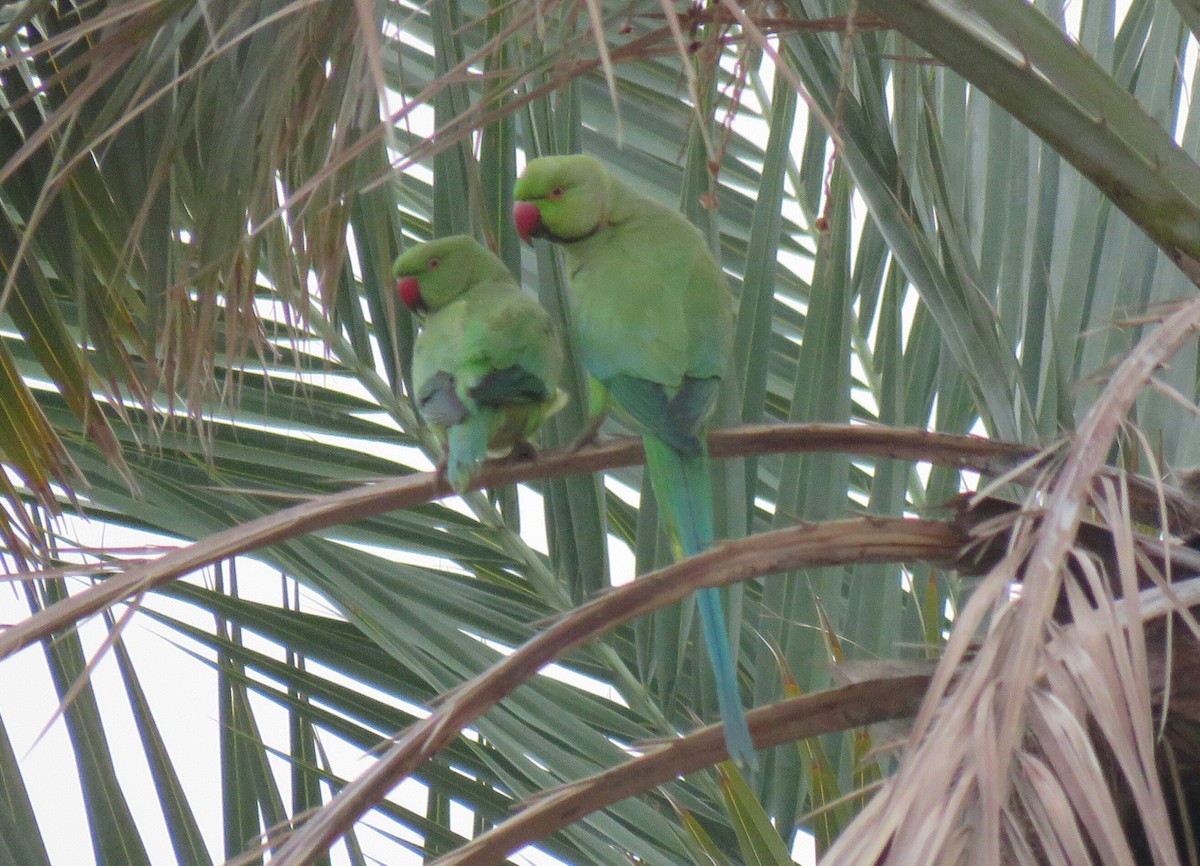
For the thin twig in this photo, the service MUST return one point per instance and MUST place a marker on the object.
(799, 718)
(408, 491)
(984, 456)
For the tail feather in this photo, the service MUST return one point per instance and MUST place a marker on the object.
(683, 486)
(733, 714)
(467, 446)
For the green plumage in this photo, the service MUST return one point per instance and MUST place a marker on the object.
(486, 363)
(651, 316)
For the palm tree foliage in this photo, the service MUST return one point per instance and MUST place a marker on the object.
(201, 202)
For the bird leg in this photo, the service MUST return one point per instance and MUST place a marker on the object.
(597, 409)
(589, 434)
(523, 449)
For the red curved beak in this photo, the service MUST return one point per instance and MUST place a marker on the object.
(527, 218)
(410, 293)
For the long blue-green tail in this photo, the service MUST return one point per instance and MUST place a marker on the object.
(683, 486)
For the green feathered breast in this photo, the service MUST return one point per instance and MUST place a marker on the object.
(491, 349)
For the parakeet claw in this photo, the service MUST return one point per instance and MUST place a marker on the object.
(589, 434)
(523, 449)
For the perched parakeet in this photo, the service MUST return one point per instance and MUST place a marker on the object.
(486, 363)
(651, 317)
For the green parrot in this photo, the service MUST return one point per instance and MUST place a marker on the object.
(486, 363)
(652, 320)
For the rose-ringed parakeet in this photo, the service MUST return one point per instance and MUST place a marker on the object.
(651, 316)
(486, 363)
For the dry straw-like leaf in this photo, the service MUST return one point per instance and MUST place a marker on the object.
(958, 775)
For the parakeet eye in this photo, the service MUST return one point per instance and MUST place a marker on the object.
(433, 264)
(555, 194)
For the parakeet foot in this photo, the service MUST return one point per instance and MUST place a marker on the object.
(523, 449)
(589, 434)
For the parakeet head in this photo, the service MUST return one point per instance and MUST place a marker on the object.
(431, 275)
(561, 198)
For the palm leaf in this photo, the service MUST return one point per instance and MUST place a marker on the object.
(201, 347)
